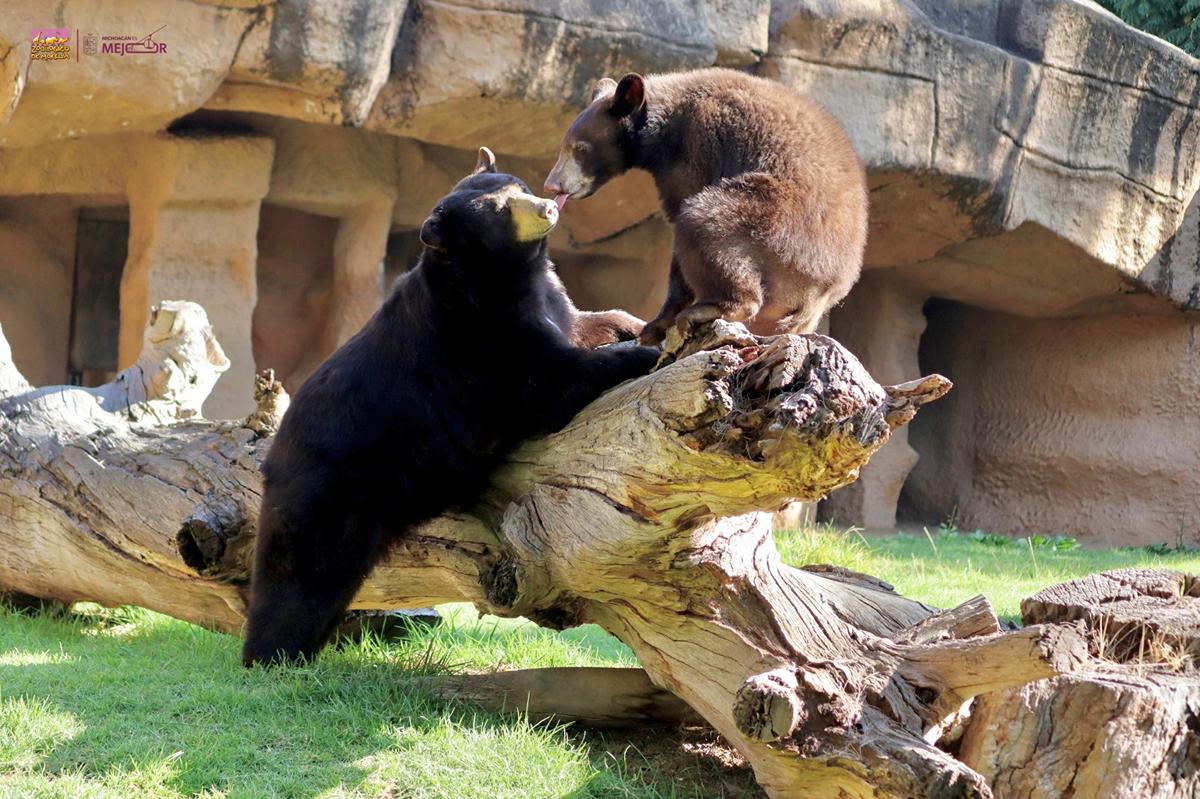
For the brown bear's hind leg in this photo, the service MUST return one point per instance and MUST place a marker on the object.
(679, 296)
(807, 317)
(721, 239)
(725, 278)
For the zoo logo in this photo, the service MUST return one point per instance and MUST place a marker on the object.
(50, 44)
(124, 45)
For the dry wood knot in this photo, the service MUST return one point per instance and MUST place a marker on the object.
(512, 590)
(270, 404)
(204, 536)
(503, 584)
(768, 707)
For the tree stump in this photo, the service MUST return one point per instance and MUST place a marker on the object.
(1128, 730)
(649, 514)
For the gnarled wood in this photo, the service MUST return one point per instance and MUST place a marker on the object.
(649, 514)
(971, 618)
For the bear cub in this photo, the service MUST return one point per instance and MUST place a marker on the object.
(766, 194)
(470, 354)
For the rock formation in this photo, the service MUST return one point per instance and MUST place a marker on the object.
(1032, 164)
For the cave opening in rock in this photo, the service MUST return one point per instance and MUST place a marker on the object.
(929, 498)
(62, 257)
(1062, 425)
(295, 277)
(101, 249)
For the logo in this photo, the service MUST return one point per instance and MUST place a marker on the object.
(50, 44)
(90, 43)
(127, 45)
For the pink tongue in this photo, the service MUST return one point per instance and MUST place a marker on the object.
(560, 200)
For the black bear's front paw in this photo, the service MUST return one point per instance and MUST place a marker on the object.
(631, 360)
(642, 360)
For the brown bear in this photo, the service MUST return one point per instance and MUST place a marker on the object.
(470, 354)
(767, 197)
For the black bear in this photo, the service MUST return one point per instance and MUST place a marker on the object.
(469, 355)
(767, 196)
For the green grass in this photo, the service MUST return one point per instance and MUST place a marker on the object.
(130, 703)
(149, 706)
(945, 567)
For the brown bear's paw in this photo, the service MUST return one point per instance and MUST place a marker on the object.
(655, 331)
(699, 314)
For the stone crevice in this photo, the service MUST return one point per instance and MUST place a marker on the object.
(1112, 80)
(571, 23)
(895, 73)
(1059, 162)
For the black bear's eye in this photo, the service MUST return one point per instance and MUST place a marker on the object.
(582, 146)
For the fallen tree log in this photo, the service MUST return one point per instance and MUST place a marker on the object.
(649, 515)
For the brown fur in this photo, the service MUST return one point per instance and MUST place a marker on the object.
(765, 191)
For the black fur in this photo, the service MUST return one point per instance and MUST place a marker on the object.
(468, 356)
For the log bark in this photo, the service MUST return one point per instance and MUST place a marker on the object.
(1130, 729)
(649, 515)
(1099, 736)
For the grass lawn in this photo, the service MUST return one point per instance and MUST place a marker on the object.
(128, 703)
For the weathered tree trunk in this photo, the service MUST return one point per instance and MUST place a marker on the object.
(1130, 729)
(648, 515)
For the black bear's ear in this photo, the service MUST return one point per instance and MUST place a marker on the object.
(630, 94)
(603, 86)
(431, 233)
(486, 162)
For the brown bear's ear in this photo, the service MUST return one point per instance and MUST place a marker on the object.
(486, 162)
(603, 86)
(629, 95)
(431, 233)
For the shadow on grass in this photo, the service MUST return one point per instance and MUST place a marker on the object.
(692, 761)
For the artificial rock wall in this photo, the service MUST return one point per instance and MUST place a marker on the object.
(1034, 219)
